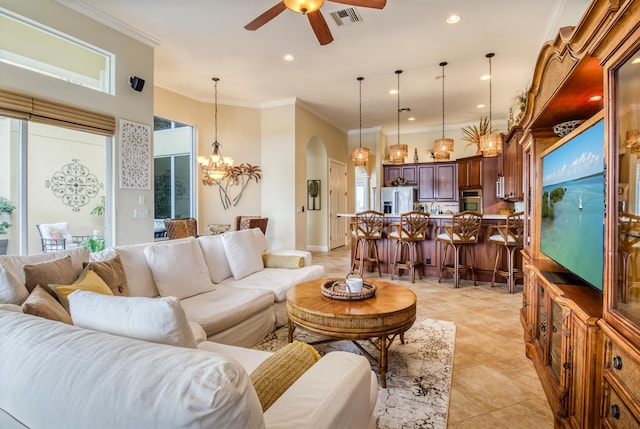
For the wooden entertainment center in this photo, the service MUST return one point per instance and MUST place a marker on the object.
(585, 343)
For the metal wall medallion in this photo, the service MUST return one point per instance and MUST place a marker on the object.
(74, 185)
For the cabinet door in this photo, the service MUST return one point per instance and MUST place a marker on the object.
(463, 174)
(390, 173)
(475, 173)
(426, 182)
(446, 189)
(409, 173)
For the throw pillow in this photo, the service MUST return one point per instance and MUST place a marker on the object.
(280, 370)
(41, 303)
(282, 261)
(112, 272)
(158, 320)
(57, 271)
(88, 280)
(179, 268)
(242, 252)
(215, 257)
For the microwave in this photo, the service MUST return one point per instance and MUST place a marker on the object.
(471, 201)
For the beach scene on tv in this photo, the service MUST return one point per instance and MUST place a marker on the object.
(572, 232)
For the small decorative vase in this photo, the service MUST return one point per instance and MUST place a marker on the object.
(415, 155)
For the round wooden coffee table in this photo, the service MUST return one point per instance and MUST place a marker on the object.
(379, 319)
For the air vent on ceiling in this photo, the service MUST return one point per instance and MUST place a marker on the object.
(346, 16)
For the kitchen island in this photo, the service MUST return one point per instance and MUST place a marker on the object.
(432, 251)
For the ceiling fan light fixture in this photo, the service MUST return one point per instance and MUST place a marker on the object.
(303, 6)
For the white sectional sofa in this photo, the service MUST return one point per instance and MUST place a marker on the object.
(239, 301)
(55, 375)
(122, 365)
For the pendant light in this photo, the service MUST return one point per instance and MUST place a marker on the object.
(398, 152)
(360, 155)
(443, 147)
(215, 166)
(491, 143)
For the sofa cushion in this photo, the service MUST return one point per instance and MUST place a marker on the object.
(88, 379)
(88, 281)
(282, 261)
(112, 272)
(225, 307)
(158, 320)
(42, 304)
(57, 271)
(215, 257)
(139, 276)
(179, 268)
(280, 370)
(243, 252)
(277, 280)
(12, 288)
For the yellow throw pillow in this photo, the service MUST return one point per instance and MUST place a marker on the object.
(88, 280)
(280, 370)
(282, 261)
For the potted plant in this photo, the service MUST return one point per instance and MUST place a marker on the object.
(6, 208)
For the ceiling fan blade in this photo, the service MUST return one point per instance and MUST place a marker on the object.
(266, 17)
(320, 27)
(375, 4)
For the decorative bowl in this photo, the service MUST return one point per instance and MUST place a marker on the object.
(218, 228)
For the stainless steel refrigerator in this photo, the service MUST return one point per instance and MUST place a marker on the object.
(398, 199)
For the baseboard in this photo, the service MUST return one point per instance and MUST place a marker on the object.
(318, 248)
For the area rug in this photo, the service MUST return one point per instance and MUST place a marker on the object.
(418, 374)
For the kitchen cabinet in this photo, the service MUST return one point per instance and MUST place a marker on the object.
(470, 172)
(437, 181)
(406, 172)
(512, 165)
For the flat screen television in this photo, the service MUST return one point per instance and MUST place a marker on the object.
(572, 227)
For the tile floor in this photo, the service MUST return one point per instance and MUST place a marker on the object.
(494, 385)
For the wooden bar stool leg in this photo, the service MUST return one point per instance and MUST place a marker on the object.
(395, 258)
(456, 266)
(472, 258)
(495, 267)
(375, 256)
(444, 258)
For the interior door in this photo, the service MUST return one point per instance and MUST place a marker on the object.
(337, 204)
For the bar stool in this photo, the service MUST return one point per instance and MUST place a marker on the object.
(367, 230)
(507, 237)
(461, 234)
(408, 234)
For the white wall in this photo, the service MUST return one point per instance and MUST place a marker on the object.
(132, 58)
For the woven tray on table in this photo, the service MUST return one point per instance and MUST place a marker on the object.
(337, 289)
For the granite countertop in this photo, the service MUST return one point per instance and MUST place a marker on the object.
(433, 216)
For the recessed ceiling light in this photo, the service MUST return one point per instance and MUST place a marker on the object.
(411, 119)
(636, 61)
(485, 77)
(289, 57)
(480, 106)
(453, 19)
(595, 98)
(393, 91)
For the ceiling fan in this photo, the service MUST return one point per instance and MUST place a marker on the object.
(311, 8)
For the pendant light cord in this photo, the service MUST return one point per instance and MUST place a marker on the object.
(398, 73)
(360, 79)
(442, 64)
(490, 55)
(215, 114)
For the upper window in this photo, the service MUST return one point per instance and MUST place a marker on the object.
(27, 44)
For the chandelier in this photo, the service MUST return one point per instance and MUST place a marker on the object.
(216, 166)
(490, 143)
(360, 155)
(398, 152)
(442, 148)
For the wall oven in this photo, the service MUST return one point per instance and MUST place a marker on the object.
(471, 201)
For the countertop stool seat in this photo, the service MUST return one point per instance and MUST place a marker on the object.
(508, 238)
(461, 234)
(408, 234)
(367, 230)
